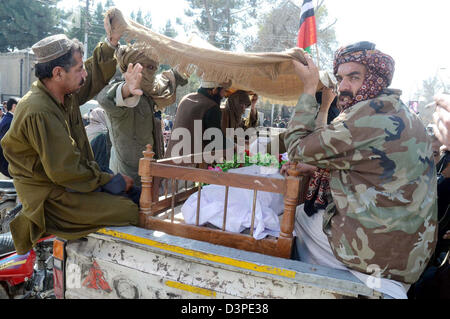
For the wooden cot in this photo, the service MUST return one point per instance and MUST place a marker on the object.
(158, 212)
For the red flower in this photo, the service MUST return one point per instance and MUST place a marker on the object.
(247, 152)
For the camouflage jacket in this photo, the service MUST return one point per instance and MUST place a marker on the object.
(383, 217)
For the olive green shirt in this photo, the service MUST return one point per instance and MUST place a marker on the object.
(130, 129)
(132, 124)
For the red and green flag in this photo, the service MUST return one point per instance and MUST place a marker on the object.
(307, 34)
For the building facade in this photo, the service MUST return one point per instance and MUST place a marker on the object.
(16, 73)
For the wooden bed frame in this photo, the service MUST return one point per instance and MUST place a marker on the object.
(157, 213)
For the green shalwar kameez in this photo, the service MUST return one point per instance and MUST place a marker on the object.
(53, 166)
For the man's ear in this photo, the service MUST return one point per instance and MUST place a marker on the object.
(58, 73)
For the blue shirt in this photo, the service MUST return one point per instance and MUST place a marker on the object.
(5, 123)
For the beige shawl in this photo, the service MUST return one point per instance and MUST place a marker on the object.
(270, 75)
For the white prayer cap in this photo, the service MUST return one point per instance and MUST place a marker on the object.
(212, 84)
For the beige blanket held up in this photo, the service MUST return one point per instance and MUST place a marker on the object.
(270, 75)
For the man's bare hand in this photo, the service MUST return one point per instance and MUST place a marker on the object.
(133, 78)
(447, 235)
(308, 74)
(328, 96)
(304, 169)
(112, 35)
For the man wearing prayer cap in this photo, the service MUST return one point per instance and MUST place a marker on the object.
(200, 109)
(63, 190)
(130, 104)
(374, 165)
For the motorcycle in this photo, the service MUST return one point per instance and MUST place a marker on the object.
(8, 201)
(28, 276)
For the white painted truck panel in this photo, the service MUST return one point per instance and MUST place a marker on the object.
(131, 262)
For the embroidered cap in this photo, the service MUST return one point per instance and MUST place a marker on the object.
(51, 48)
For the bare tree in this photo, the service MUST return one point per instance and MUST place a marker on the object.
(222, 20)
(430, 87)
(279, 27)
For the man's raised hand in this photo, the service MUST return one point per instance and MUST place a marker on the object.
(308, 74)
(133, 78)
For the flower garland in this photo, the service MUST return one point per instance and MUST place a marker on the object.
(257, 159)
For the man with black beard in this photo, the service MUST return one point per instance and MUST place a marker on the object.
(373, 173)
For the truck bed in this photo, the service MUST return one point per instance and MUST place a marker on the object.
(132, 262)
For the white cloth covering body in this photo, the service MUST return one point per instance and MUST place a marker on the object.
(239, 208)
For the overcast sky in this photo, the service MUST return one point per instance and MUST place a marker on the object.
(414, 32)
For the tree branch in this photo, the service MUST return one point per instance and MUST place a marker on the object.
(329, 26)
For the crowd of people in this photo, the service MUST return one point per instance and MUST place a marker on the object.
(6, 118)
(372, 203)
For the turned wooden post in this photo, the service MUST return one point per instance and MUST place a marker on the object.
(146, 199)
(285, 240)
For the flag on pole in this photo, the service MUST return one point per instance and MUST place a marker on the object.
(307, 34)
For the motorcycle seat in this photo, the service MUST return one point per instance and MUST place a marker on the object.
(6, 244)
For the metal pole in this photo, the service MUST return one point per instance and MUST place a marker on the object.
(86, 25)
(28, 71)
(318, 57)
(21, 77)
(271, 117)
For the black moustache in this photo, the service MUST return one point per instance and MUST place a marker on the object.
(346, 93)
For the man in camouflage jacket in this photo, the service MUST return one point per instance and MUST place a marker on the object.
(382, 207)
